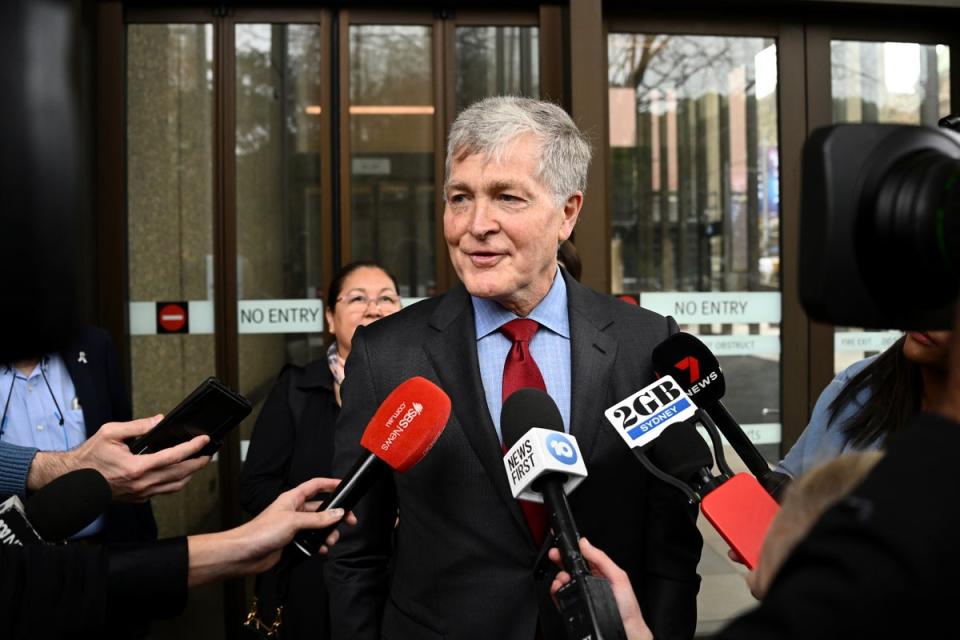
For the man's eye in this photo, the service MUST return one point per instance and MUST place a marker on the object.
(458, 198)
(506, 197)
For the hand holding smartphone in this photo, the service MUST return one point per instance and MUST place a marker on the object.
(212, 409)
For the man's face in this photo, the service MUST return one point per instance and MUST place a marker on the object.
(502, 226)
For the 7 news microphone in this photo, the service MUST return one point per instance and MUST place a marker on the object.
(544, 464)
(657, 423)
(401, 432)
(57, 511)
(689, 361)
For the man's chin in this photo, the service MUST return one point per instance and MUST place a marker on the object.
(483, 287)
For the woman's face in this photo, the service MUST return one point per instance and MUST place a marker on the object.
(927, 348)
(367, 294)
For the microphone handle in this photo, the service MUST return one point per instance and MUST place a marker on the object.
(751, 457)
(562, 523)
(364, 473)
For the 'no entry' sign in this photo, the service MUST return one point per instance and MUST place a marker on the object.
(172, 317)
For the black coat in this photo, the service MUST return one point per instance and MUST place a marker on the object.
(463, 557)
(285, 450)
(94, 368)
(882, 563)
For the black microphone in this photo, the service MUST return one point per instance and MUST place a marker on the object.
(62, 508)
(529, 422)
(681, 453)
(693, 365)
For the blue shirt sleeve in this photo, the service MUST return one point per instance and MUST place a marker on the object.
(14, 466)
(823, 439)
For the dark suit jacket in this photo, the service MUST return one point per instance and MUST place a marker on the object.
(462, 557)
(292, 442)
(103, 398)
(883, 562)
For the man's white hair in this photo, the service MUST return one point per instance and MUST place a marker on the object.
(487, 127)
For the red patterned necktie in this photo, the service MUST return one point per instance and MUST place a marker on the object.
(520, 371)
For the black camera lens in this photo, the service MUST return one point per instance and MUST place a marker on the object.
(908, 226)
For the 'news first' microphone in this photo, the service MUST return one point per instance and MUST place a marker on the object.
(398, 436)
(544, 464)
(739, 509)
(691, 362)
(62, 508)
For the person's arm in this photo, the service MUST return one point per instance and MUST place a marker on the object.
(672, 545)
(356, 572)
(255, 546)
(271, 448)
(15, 463)
(133, 478)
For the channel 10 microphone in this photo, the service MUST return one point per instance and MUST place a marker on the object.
(737, 507)
(688, 360)
(401, 432)
(60, 509)
(544, 464)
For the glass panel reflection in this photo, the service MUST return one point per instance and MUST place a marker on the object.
(278, 141)
(496, 61)
(392, 152)
(696, 200)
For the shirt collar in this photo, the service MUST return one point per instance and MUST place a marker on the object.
(550, 313)
(9, 368)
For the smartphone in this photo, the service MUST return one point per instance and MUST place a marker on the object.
(213, 409)
(741, 511)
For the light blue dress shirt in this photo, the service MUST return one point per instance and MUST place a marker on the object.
(550, 348)
(33, 418)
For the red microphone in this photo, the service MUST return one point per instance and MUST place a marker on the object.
(398, 436)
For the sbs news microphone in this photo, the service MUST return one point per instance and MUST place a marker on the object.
(544, 464)
(60, 509)
(737, 507)
(401, 432)
(690, 361)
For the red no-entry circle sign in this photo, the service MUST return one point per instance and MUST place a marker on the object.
(172, 317)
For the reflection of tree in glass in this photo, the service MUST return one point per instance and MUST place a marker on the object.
(390, 64)
(270, 61)
(691, 65)
(496, 61)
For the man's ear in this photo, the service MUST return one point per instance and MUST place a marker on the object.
(571, 214)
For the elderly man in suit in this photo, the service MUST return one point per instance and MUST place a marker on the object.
(460, 563)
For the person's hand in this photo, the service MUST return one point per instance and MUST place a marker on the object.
(135, 478)
(132, 478)
(256, 546)
(602, 566)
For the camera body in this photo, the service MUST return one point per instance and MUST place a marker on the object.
(880, 226)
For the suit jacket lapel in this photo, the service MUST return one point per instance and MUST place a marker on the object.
(592, 353)
(83, 384)
(453, 354)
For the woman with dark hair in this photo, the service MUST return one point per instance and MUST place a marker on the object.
(292, 441)
(867, 403)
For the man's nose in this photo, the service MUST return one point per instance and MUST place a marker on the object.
(484, 221)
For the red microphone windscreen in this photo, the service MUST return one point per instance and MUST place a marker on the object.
(407, 423)
(741, 511)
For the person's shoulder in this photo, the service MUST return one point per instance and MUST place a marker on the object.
(603, 304)
(411, 319)
(851, 372)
